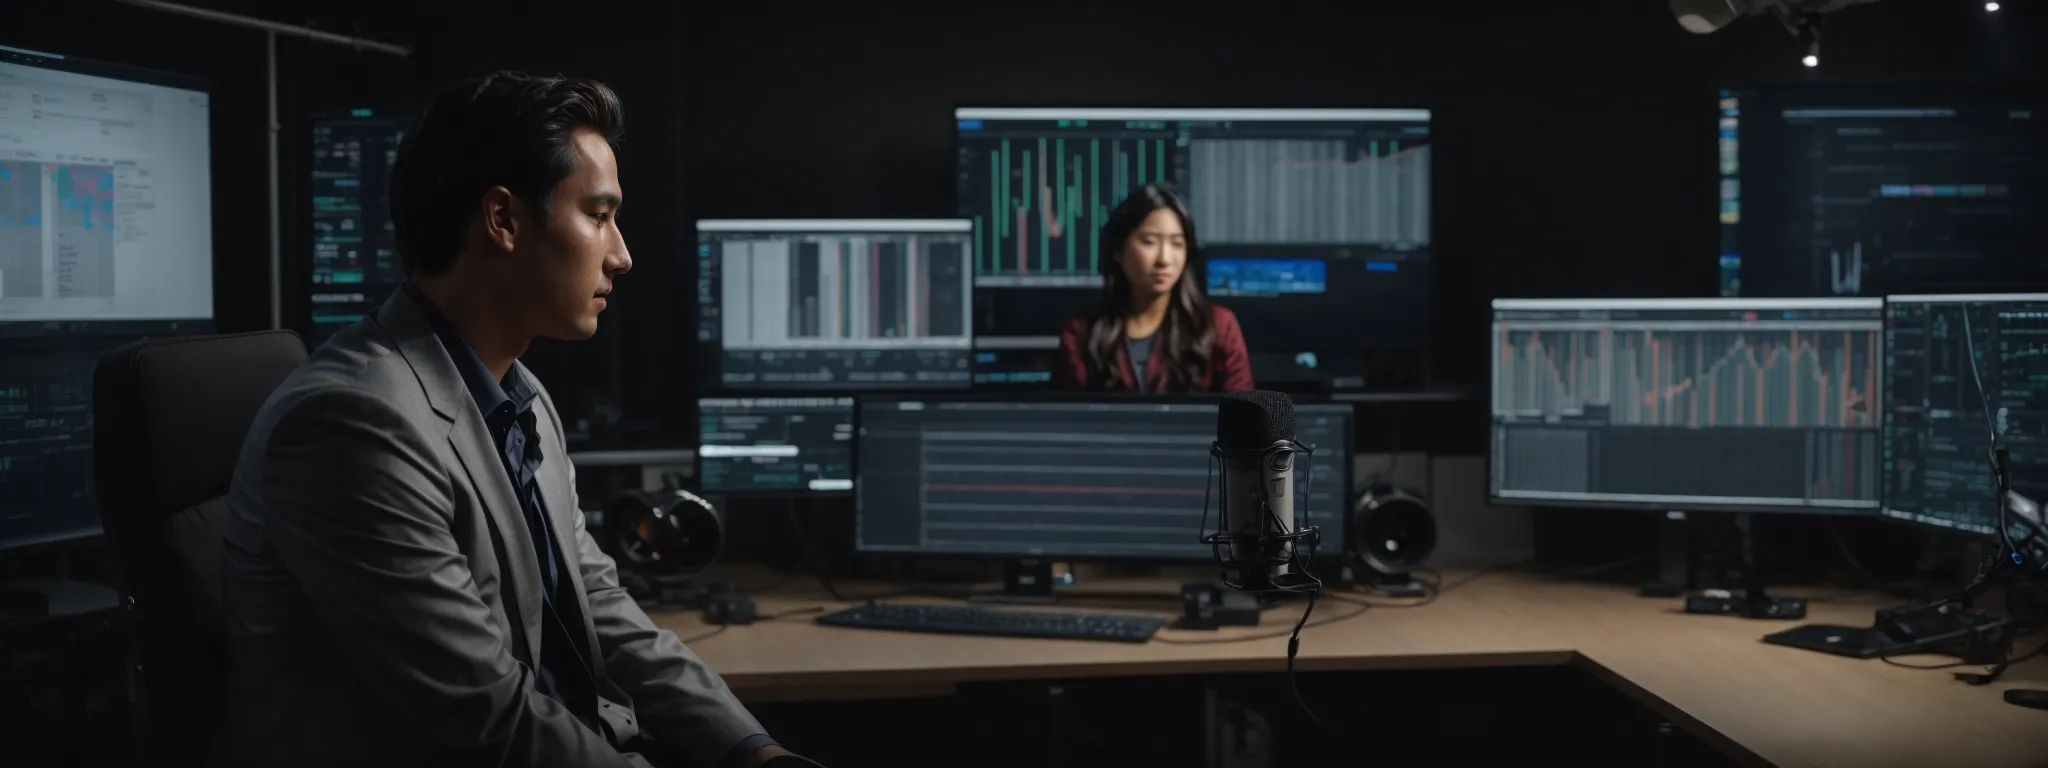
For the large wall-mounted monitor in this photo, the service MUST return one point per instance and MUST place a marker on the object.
(835, 303)
(1298, 213)
(1114, 478)
(351, 263)
(1882, 188)
(1959, 370)
(106, 236)
(1766, 405)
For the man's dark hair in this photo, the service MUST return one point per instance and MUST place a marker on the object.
(506, 129)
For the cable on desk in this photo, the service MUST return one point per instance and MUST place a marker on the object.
(764, 618)
(818, 558)
(707, 635)
(1433, 586)
(1992, 672)
(1289, 632)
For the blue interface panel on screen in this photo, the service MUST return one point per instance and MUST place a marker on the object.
(1942, 412)
(106, 236)
(1766, 405)
(353, 257)
(1297, 212)
(835, 303)
(1868, 189)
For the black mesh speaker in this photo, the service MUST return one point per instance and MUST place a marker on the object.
(663, 534)
(1392, 530)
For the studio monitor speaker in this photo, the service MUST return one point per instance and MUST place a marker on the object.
(1392, 534)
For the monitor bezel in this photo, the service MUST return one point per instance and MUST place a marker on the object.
(1333, 547)
(697, 440)
(113, 71)
(1493, 497)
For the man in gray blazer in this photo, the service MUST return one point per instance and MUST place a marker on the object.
(407, 578)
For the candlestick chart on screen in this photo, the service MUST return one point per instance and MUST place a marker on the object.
(1048, 197)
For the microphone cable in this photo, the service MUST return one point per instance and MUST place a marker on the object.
(1310, 585)
(2001, 471)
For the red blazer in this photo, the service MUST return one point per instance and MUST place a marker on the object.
(1230, 368)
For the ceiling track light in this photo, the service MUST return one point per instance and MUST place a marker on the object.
(1807, 28)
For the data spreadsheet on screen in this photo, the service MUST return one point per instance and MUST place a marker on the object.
(837, 303)
(105, 196)
(1297, 212)
(1687, 404)
(1941, 410)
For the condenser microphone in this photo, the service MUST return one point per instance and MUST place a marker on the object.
(1258, 540)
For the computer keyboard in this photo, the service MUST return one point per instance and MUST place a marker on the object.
(962, 620)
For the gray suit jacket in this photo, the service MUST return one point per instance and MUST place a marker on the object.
(383, 595)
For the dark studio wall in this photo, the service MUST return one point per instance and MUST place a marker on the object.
(1576, 155)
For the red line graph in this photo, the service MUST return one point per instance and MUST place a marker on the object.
(1692, 378)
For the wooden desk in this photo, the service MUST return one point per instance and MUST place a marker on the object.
(1759, 703)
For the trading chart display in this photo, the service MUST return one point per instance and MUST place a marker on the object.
(1864, 190)
(352, 262)
(1941, 411)
(1297, 211)
(1687, 403)
(1067, 479)
(835, 303)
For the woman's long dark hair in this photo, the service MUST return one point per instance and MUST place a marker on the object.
(1189, 330)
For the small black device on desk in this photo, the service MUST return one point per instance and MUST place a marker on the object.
(963, 620)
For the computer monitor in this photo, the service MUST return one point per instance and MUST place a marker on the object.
(1871, 189)
(1941, 411)
(1757, 405)
(1067, 479)
(835, 303)
(106, 236)
(775, 445)
(1298, 213)
(351, 262)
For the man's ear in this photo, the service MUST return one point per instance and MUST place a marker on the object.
(502, 212)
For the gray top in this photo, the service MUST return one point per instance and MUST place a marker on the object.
(1141, 357)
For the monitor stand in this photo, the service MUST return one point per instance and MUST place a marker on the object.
(1025, 582)
(1674, 558)
(1754, 602)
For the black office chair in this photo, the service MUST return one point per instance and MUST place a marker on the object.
(169, 416)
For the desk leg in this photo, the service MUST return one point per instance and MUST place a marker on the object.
(1212, 728)
(1234, 736)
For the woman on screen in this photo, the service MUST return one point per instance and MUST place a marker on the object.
(1152, 316)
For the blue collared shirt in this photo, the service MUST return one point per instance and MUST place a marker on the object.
(507, 407)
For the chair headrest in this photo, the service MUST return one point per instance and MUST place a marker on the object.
(169, 416)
